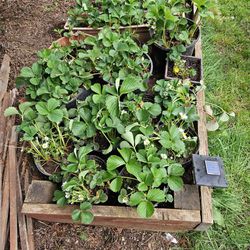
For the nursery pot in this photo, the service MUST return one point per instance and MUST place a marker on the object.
(191, 61)
(189, 48)
(41, 169)
(83, 94)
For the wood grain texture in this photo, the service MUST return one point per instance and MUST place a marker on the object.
(4, 75)
(13, 190)
(21, 217)
(188, 198)
(205, 192)
(171, 220)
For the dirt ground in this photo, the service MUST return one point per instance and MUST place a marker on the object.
(27, 26)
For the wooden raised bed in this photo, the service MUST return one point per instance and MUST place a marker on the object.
(192, 209)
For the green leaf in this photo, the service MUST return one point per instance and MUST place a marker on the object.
(27, 72)
(156, 195)
(11, 111)
(83, 151)
(97, 88)
(142, 187)
(155, 109)
(37, 68)
(145, 209)
(35, 81)
(41, 107)
(130, 84)
(114, 162)
(136, 198)
(128, 136)
(134, 167)
(25, 105)
(112, 105)
(175, 183)
(56, 116)
(78, 128)
(176, 169)
(52, 104)
(76, 215)
(116, 184)
(85, 206)
(86, 217)
(125, 153)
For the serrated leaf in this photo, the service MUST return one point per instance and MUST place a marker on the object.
(86, 217)
(176, 169)
(114, 162)
(175, 183)
(130, 84)
(134, 167)
(112, 105)
(52, 104)
(27, 72)
(56, 116)
(116, 184)
(136, 198)
(76, 215)
(156, 195)
(41, 107)
(125, 153)
(145, 209)
(11, 111)
(128, 136)
(85, 206)
(142, 187)
(97, 88)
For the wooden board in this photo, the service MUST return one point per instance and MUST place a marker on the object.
(13, 190)
(170, 220)
(205, 192)
(4, 75)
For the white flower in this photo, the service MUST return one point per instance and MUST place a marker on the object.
(124, 112)
(80, 197)
(125, 199)
(181, 130)
(183, 116)
(46, 138)
(164, 156)
(45, 145)
(67, 195)
(146, 142)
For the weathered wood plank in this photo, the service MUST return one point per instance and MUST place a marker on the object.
(188, 198)
(13, 190)
(4, 75)
(205, 192)
(21, 217)
(30, 229)
(5, 206)
(171, 220)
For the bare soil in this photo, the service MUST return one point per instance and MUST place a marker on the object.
(27, 26)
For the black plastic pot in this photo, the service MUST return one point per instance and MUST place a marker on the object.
(189, 48)
(40, 168)
(84, 93)
(190, 61)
